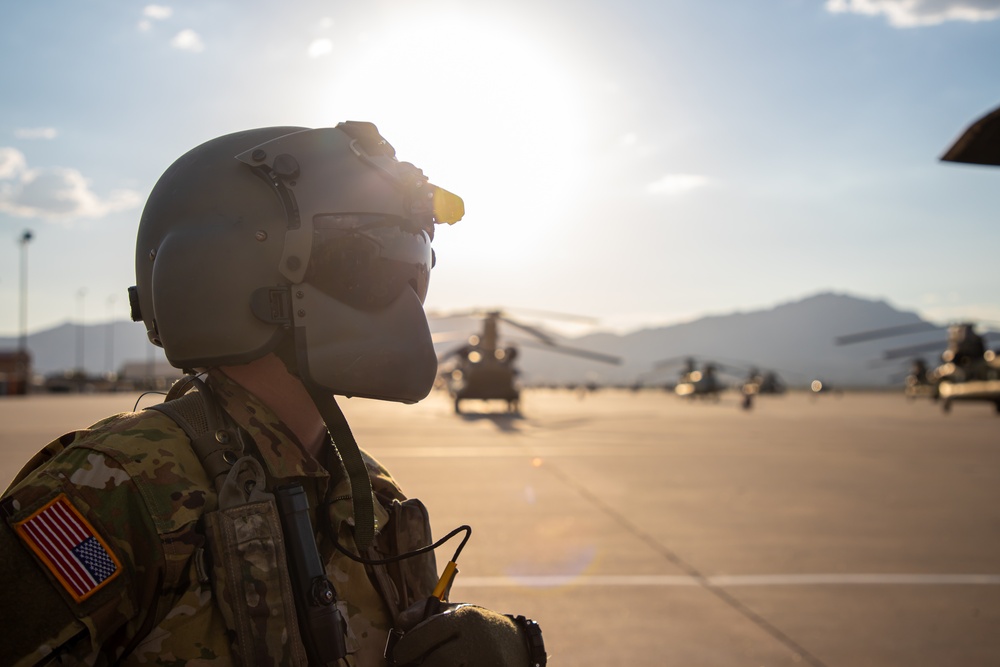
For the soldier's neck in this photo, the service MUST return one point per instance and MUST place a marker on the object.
(268, 379)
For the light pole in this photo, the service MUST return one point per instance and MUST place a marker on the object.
(109, 358)
(23, 343)
(80, 294)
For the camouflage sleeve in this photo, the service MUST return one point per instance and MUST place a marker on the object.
(383, 485)
(28, 597)
(92, 533)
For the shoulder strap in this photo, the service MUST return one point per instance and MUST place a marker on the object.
(246, 515)
(213, 438)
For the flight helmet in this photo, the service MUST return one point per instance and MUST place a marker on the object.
(314, 240)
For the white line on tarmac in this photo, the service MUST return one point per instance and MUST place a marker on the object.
(487, 451)
(459, 451)
(728, 580)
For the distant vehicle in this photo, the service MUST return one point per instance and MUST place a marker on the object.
(483, 369)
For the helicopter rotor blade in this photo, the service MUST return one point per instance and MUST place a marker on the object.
(574, 351)
(672, 361)
(882, 363)
(979, 143)
(455, 314)
(913, 350)
(537, 333)
(450, 353)
(731, 370)
(551, 315)
(445, 336)
(887, 332)
(898, 378)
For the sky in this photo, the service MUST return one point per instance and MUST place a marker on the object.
(640, 162)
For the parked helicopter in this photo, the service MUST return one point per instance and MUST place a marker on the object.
(694, 382)
(980, 379)
(758, 383)
(484, 369)
(918, 381)
(968, 371)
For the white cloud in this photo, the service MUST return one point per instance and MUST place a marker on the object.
(326, 22)
(154, 13)
(12, 163)
(55, 193)
(673, 184)
(320, 47)
(913, 13)
(157, 12)
(188, 40)
(35, 133)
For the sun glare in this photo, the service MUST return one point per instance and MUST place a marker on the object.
(487, 111)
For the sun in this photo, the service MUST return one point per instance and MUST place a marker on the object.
(486, 108)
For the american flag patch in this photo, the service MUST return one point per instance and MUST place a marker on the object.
(70, 547)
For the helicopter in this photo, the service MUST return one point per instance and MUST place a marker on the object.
(760, 382)
(969, 370)
(919, 382)
(483, 369)
(980, 380)
(695, 382)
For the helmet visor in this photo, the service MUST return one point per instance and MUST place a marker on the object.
(367, 260)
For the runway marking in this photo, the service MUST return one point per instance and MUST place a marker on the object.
(519, 451)
(731, 580)
(460, 451)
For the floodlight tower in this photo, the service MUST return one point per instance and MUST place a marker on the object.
(26, 237)
(109, 359)
(80, 295)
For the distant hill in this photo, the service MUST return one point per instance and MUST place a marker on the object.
(59, 348)
(795, 339)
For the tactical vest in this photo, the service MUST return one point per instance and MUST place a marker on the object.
(246, 545)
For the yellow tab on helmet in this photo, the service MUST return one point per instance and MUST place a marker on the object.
(448, 207)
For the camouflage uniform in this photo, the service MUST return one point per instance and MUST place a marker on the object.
(140, 495)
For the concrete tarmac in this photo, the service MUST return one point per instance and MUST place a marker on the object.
(643, 529)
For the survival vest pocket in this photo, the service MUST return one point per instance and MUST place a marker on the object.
(407, 529)
(250, 572)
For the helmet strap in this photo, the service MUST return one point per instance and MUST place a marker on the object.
(354, 463)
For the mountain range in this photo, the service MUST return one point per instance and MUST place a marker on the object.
(794, 339)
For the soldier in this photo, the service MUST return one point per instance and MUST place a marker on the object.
(238, 522)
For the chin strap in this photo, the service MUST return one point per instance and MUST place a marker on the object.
(357, 471)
